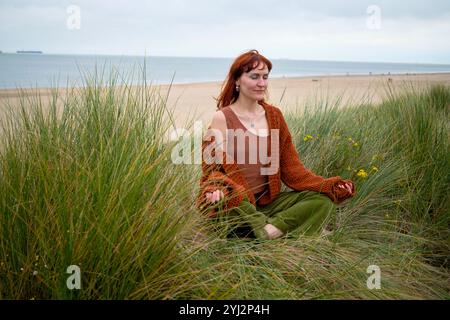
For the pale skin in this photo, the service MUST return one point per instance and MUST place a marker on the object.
(252, 88)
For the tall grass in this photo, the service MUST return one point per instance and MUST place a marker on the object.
(87, 180)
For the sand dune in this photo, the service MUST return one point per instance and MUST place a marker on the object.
(196, 100)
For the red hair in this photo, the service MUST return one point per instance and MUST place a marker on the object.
(246, 62)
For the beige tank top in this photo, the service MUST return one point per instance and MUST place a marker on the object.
(247, 155)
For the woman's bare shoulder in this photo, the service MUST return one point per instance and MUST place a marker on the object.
(219, 121)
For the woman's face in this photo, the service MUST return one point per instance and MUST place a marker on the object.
(253, 84)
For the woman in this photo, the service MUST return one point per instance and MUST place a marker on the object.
(246, 193)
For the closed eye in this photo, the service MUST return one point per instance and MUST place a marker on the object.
(254, 77)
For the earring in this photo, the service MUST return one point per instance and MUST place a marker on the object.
(237, 88)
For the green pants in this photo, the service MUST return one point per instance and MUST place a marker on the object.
(292, 212)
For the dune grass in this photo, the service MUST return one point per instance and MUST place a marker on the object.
(92, 184)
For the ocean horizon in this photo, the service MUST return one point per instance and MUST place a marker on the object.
(25, 70)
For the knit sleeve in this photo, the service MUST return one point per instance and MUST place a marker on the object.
(214, 178)
(297, 177)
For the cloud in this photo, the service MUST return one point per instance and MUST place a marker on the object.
(409, 30)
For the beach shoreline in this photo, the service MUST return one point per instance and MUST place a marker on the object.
(284, 92)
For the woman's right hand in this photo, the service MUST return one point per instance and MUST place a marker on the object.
(214, 196)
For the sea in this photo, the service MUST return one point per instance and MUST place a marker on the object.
(25, 70)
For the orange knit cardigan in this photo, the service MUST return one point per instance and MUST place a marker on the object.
(292, 172)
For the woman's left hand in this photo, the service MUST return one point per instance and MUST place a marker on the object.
(347, 186)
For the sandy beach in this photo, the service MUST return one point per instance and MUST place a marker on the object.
(196, 100)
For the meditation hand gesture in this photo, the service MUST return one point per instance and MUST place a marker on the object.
(348, 186)
(214, 196)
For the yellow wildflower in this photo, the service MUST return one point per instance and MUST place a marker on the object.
(308, 137)
(362, 173)
(374, 169)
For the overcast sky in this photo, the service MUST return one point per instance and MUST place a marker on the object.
(352, 30)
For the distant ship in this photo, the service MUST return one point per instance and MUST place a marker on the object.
(28, 51)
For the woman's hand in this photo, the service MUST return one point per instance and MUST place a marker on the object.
(348, 186)
(214, 196)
